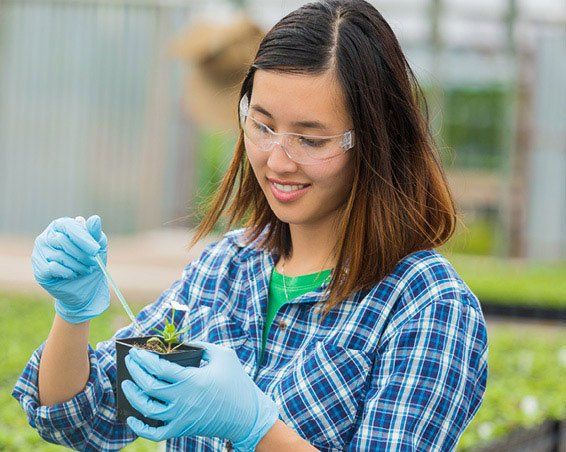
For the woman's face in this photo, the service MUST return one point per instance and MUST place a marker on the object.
(292, 98)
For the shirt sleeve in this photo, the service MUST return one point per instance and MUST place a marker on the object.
(427, 381)
(88, 420)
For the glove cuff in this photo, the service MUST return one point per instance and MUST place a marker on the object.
(268, 414)
(69, 316)
(79, 314)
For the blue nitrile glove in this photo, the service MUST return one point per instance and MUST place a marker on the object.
(63, 264)
(216, 400)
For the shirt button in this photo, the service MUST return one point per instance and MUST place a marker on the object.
(282, 325)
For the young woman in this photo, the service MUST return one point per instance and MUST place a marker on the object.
(329, 320)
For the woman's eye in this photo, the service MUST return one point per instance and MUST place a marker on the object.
(262, 128)
(312, 142)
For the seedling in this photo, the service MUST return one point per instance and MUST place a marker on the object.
(168, 339)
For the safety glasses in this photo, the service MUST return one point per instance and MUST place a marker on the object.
(302, 149)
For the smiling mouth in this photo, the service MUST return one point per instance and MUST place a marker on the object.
(288, 188)
(279, 182)
(285, 196)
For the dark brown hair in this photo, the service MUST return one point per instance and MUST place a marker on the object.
(400, 202)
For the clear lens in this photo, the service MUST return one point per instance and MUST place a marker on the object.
(302, 149)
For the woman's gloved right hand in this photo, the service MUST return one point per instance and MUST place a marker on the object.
(63, 264)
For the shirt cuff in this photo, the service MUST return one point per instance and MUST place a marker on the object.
(69, 415)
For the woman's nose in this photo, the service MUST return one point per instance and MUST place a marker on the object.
(278, 159)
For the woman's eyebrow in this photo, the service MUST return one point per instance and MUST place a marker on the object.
(304, 124)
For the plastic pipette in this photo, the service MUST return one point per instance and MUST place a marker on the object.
(123, 301)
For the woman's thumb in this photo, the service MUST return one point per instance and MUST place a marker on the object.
(94, 226)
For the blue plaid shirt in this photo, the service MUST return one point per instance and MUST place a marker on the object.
(402, 366)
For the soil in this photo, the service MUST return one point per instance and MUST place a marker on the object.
(151, 346)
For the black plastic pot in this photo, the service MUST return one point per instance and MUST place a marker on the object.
(185, 355)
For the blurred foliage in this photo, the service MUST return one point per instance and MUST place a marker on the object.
(215, 151)
(513, 282)
(25, 322)
(475, 126)
(526, 385)
(505, 281)
(478, 237)
(500, 280)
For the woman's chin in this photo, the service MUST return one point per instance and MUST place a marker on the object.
(286, 216)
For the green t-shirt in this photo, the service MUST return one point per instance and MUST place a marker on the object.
(296, 286)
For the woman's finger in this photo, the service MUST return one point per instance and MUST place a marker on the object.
(77, 233)
(161, 368)
(53, 269)
(147, 406)
(60, 256)
(149, 384)
(60, 241)
(145, 431)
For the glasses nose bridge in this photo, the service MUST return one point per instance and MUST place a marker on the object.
(278, 138)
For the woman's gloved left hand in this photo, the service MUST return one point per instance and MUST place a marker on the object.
(216, 400)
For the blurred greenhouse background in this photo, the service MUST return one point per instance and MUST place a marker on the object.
(127, 109)
(92, 116)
